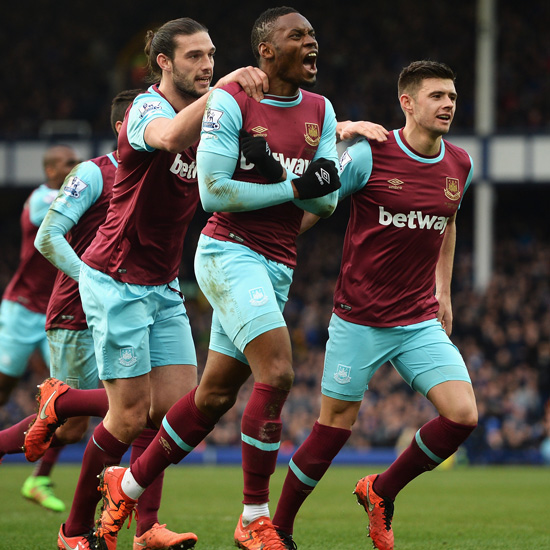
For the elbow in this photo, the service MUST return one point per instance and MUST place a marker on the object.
(328, 209)
(172, 145)
(208, 201)
(207, 204)
(44, 245)
(327, 212)
(40, 241)
(173, 149)
(177, 142)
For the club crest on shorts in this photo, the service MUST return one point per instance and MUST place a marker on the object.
(342, 374)
(312, 134)
(257, 296)
(127, 357)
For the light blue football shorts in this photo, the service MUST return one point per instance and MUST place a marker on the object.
(73, 358)
(21, 332)
(135, 327)
(422, 354)
(247, 292)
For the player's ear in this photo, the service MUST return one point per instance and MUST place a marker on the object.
(164, 62)
(266, 50)
(406, 103)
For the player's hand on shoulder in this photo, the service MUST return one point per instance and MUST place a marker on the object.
(320, 179)
(256, 151)
(351, 129)
(252, 80)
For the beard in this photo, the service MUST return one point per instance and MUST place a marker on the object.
(186, 85)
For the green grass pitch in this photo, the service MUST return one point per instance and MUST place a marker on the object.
(465, 508)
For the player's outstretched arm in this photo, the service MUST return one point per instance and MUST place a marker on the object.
(178, 133)
(252, 80)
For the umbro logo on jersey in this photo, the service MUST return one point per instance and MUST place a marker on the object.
(395, 184)
(259, 131)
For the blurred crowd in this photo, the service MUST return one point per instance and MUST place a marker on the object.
(503, 334)
(76, 59)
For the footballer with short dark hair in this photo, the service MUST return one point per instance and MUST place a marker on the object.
(399, 246)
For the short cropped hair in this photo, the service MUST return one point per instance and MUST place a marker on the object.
(411, 77)
(263, 27)
(119, 105)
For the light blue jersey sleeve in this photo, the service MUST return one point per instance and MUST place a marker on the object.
(40, 202)
(145, 108)
(468, 180)
(217, 157)
(324, 206)
(355, 168)
(81, 189)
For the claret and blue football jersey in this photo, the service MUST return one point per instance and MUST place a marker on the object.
(400, 206)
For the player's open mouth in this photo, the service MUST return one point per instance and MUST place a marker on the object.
(204, 80)
(310, 62)
(446, 118)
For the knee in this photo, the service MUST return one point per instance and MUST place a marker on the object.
(466, 415)
(215, 402)
(279, 374)
(129, 422)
